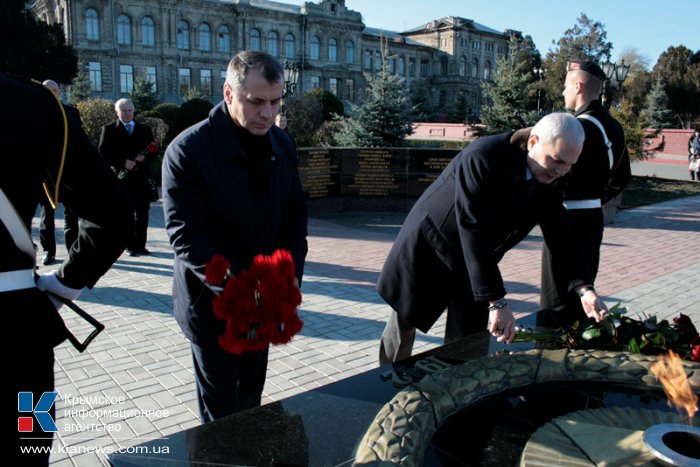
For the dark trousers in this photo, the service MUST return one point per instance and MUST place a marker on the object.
(464, 318)
(227, 383)
(71, 227)
(139, 192)
(565, 306)
(47, 228)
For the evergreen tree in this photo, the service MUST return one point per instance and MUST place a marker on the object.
(634, 127)
(658, 113)
(679, 69)
(587, 40)
(80, 89)
(506, 99)
(32, 48)
(143, 96)
(384, 119)
(460, 112)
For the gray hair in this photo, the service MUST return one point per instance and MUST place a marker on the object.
(121, 101)
(559, 125)
(268, 67)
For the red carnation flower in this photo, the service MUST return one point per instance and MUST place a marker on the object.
(152, 148)
(216, 270)
(695, 352)
(259, 305)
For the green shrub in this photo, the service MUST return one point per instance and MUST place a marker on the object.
(95, 113)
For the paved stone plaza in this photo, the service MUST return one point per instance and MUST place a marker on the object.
(141, 363)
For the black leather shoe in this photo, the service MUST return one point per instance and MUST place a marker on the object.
(139, 252)
(48, 259)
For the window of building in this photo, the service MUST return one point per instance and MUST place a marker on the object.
(273, 45)
(390, 65)
(92, 25)
(487, 70)
(332, 50)
(95, 74)
(350, 89)
(442, 98)
(126, 78)
(424, 68)
(402, 66)
(204, 37)
(123, 30)
(476, 45)
(443, 66)
(150, 72)
(411, 67)
(377, 61)
(462, 66)
(475, 68)
(349, 52)
(223, 78)
(205, 83)
(315, 48)
(184, 82)
(333, 86)
(289, 45)
(255, 41)
(368, 60)
(224, 39)
(148, 32)
(183, 34)
(315, 82)
(488, 46)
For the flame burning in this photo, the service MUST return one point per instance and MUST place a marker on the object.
(669, 371)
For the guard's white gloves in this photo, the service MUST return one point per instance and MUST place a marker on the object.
(50, 283)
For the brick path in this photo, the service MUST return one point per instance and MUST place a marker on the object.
(141, 363)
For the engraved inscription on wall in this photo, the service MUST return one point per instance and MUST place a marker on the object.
(374, 176)
(319, 173)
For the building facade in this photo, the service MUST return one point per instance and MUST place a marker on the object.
(183, 45)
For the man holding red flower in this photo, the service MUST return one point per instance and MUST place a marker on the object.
(129, 148)
(231, 188)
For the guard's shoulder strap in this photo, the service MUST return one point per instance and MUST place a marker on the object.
(608, 143)
(14, 225)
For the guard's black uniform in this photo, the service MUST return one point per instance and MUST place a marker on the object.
(31, 140)
(590, 182)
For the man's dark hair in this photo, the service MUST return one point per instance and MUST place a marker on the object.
(268, 67)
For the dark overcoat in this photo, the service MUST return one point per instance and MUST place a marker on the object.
(480, 207)
(211, 208)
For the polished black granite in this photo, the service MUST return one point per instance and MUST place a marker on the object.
(322, 427)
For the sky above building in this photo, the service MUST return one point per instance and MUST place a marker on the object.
(649, 26)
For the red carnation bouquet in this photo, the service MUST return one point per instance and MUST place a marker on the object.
(259, 305)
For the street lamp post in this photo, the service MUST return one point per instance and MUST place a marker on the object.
(615, 74)
(539, 72)
(291, 77)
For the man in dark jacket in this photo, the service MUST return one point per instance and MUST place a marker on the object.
(47, 226)
(602, 171)
(231, 187)
(127, 147)
(483, 204)
(31, 143)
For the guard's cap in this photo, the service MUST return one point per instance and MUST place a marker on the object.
(587, 66)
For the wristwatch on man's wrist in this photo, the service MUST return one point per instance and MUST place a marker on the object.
(581, 291)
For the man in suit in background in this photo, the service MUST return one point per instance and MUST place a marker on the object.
(47, 226)
(126, 145)
(484, 203)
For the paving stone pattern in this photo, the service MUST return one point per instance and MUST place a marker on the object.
(141, 363)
